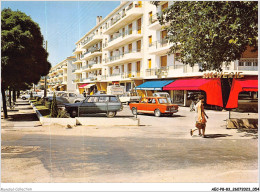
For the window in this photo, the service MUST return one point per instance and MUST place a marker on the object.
(150, 40)
(164, 61)
(255, 63)
(241, 63)
(92, 99)
(138, 45)
(248, 63)
(149, 63)
(72, 95)
(143, 100)
(153, 101)
(139, 23)
(163, 100)
(103, 99)
(165, 6)
(113, 99)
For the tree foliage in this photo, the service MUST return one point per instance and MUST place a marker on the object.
(210, 33)
(24, 59)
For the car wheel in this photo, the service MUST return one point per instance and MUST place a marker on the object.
(157, 113)
(111, 114)
(76, 101)
(74, 113)
(23, 98)
(134, 111)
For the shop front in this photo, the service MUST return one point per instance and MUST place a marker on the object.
(150, 87)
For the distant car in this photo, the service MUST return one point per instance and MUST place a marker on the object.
(61, 101)
(108, 104)
(27, 96)
(73, 97)
(154, 105)
(128, 98)
(163, 94)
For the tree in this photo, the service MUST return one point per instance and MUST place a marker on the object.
(210, 33)
(24, 60)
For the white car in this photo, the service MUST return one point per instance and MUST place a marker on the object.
(163, 94)
(73, 97)
(129, 98)
(27, 96)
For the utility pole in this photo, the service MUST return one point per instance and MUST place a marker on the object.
(45, 78)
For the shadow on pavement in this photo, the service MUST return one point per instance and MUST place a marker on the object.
(23, 117)
(216, 135)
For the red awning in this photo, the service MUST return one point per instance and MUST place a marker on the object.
(82, 86)
(240, 85)
(186, 84)
(212, 87)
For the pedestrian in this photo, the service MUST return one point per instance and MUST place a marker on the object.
(201, 117)
(84, 93)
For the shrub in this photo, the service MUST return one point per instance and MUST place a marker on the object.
(62, 114)
(48, 104)
(54, 107)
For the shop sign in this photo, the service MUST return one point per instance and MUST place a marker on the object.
(236, 75)
(115, 90)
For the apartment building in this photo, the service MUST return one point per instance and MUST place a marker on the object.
(61, 76)
(128, 47)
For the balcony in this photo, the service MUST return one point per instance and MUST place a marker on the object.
(77, 61)
(91, 41)
(120, 39)
(131, 13)
(96, 66)
(77, 80)
(159, 47)
(64, 66)
(77, 71)
(154, 23)
(92, 53)
(123, 58)
(77, 50)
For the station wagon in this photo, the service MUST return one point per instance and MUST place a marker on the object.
(154, 105)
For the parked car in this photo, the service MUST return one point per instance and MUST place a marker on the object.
(154, 105)
(27, 96)
(108, 104)
(129, 98)
(61, 101)
(73, 97)
(163, 94)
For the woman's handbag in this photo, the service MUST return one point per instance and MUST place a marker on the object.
(198, 125)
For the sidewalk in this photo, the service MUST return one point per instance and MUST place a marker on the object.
(22, 117)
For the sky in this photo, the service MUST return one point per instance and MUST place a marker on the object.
(63, 23)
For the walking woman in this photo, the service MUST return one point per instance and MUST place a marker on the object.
(201, 119)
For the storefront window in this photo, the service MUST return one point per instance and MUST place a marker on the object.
(178, 96)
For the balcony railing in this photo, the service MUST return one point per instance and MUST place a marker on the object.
(158, 44)
(120, 16)
(117, 35)
(92, 51)
(154, 18)
(77, 80)
(87, 40)
(119, 56)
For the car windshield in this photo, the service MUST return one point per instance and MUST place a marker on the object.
(163, 100)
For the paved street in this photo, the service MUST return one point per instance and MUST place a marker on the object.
(160, 150)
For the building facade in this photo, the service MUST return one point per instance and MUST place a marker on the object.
(129, 47)
(61, 76)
